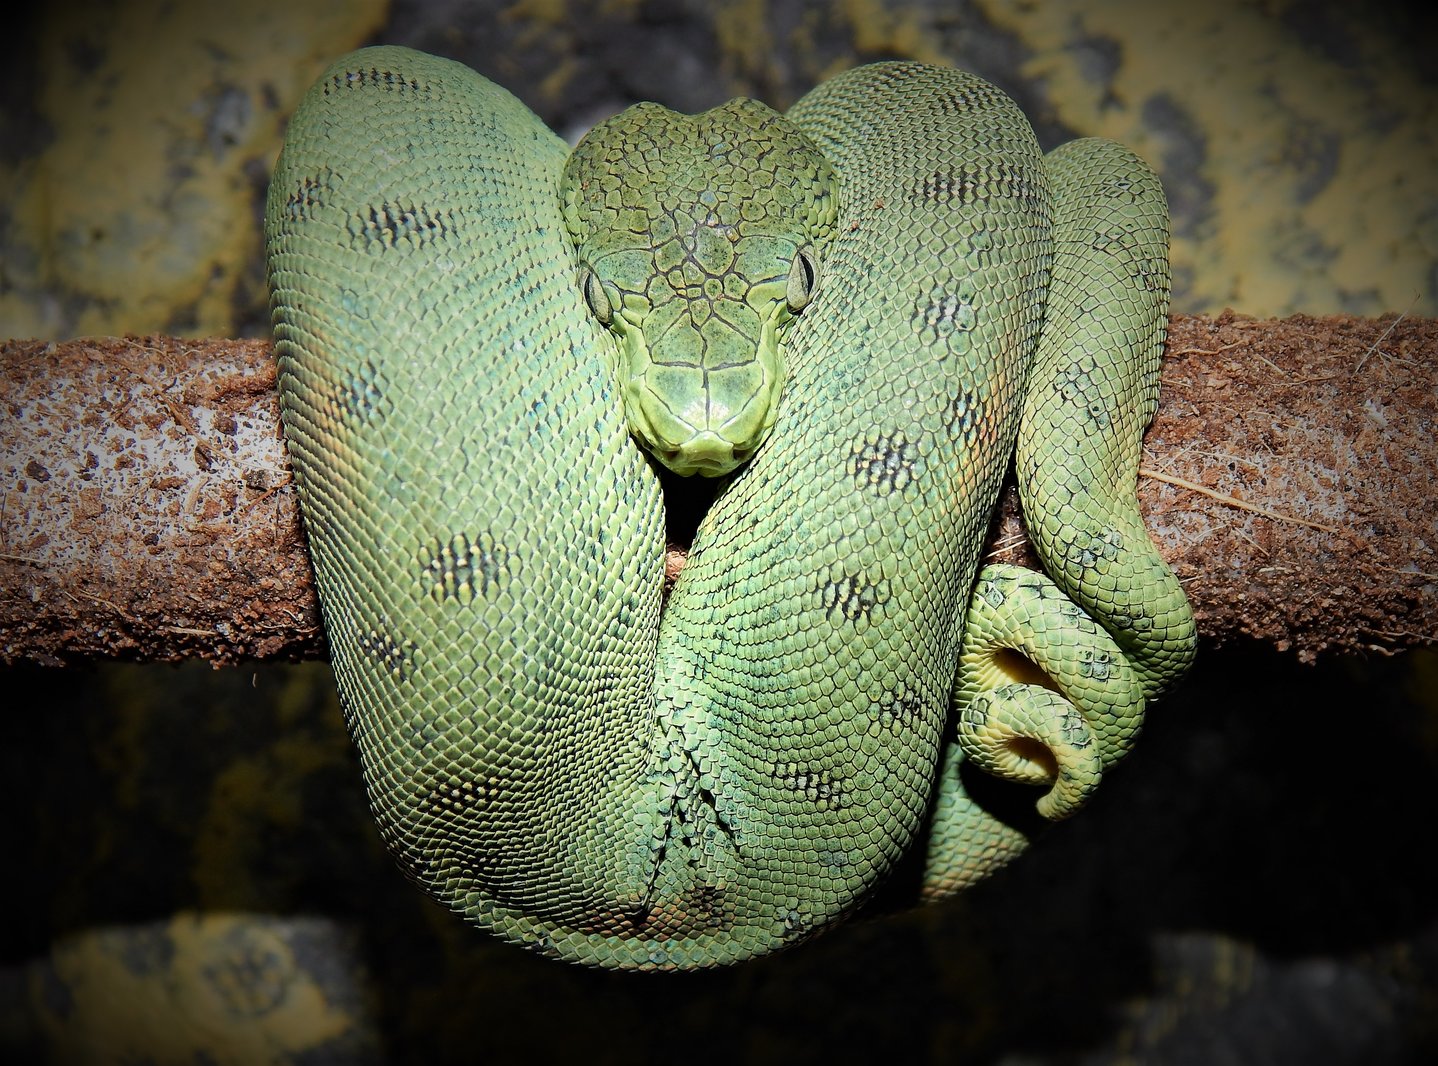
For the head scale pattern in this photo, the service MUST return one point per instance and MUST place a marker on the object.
(699, 238)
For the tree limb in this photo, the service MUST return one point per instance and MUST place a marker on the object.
(148, 513)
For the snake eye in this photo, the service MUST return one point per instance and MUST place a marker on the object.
(597, 298)
(803, 274)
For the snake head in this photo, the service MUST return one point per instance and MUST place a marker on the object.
(698, 241)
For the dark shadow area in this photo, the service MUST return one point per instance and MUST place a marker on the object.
(1271, 806)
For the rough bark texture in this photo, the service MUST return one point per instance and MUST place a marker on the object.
(147, 511)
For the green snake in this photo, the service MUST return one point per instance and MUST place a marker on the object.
(855, 316)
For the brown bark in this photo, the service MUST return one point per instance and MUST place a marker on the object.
(147, 510)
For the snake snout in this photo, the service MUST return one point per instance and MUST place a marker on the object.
(690, 449)
(703, 421)
(706, 454)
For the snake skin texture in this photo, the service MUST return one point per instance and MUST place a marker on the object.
(544, 753)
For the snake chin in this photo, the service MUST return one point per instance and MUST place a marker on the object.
(699, 420)
(701, 453)
(705, 455)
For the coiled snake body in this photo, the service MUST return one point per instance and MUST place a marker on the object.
(852, 313)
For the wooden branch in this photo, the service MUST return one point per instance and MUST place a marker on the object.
(148, 513)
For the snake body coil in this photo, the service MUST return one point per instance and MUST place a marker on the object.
(544, 753)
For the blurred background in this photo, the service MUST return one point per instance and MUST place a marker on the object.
(194, 876)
